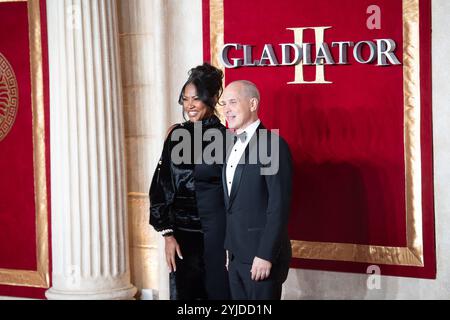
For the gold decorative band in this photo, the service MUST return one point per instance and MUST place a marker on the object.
(412, 254)
(216, 11)
(39, 278)
(412, 110)
(354, 253)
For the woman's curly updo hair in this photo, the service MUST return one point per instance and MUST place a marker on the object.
(207, 79)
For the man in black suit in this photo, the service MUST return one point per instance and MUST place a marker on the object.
(257, 178)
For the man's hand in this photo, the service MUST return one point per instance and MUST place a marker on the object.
(260, 269)
(172, 248)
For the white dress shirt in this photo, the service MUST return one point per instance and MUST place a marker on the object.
(237, 152)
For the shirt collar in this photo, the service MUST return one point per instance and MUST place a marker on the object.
(250, 130)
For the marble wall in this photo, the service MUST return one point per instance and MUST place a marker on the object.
(160, 40)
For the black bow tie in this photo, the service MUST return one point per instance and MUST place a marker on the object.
(242, 136)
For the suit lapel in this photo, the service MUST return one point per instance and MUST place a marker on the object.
(236, 181)
(228, 149)
(224, 184)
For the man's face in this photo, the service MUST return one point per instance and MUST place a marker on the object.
(237, 107)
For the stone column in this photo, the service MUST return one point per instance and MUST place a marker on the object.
(89, 212)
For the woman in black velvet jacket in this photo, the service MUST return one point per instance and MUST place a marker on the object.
(186, 200)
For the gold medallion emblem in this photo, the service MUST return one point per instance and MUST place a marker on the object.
(9, 97)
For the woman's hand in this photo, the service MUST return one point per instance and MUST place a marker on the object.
(172, 248)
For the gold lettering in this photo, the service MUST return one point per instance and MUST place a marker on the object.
(320, 69)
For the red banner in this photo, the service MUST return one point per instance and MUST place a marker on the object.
(24, 150)
(360, 133)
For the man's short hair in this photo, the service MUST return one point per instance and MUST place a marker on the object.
(250, 89)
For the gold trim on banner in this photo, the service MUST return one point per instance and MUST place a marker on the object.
(39, 278)
(354, 253)
(216, 11)
(412, 109)
(412, 254)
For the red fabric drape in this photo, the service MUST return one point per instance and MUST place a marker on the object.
(17, 181)
(347, 138)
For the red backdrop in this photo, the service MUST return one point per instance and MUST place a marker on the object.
(18, 247)
(347, 138)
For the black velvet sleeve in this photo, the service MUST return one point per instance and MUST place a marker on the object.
(162, 191)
